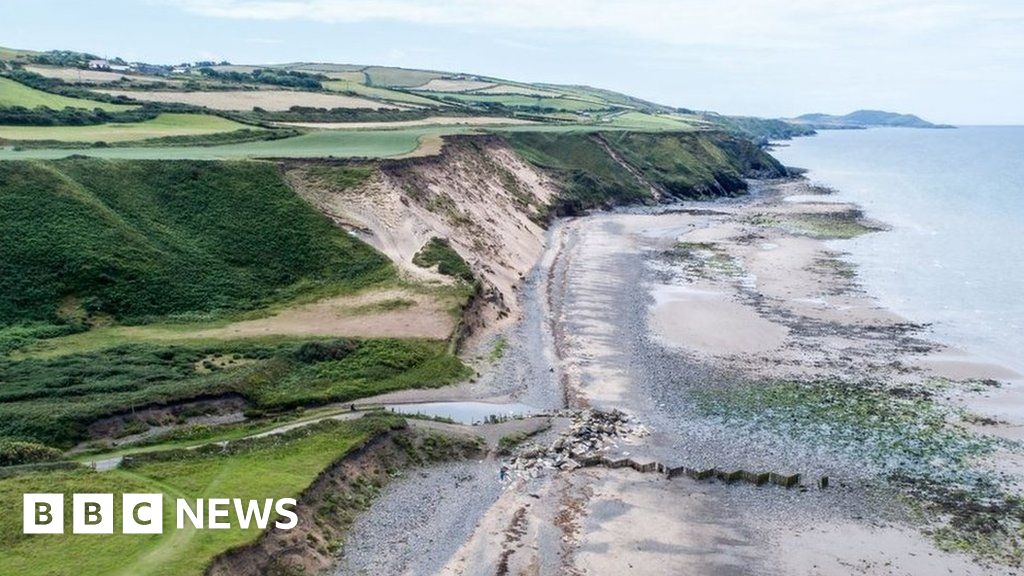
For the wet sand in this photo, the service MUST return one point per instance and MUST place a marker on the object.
(648, 311)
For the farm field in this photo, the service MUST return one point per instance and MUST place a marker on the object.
(319, 144)
(398, 77)
(430, 121)
(644, 121)
(274, 467)
(163, 125)
(92, 76)
(377, 93)
(249, 99)
(454, 85)
(522, 101)
(516, 89)
(16, 94)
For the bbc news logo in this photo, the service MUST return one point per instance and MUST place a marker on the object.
(144, 513)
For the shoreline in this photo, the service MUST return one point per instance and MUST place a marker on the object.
(721, 327)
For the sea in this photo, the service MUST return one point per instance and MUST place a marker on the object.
(954, 200)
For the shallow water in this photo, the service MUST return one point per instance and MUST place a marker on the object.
(464, 412)
(955, 201)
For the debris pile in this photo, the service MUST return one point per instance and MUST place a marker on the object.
(591, 433)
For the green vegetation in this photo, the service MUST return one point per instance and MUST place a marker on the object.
(271, 76)
(499, 347)
(162, 126)
(691, 164)
(683, 164)
(84, 239)
(519, 101)
(644, 121)
(340, 177)
(272, 467)
(835, 225)
(41, 116)
(14, 453)
(321, 144)
(438, 251)
(590, 176)
(758, 129)
(905, 437)
(359, 89)
(705, 260)
(398, 77)
(52, 400)
(16, 94)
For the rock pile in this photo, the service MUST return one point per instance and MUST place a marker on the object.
(589, 436)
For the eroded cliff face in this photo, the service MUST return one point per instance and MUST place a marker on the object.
(490, 197)
(478, 194)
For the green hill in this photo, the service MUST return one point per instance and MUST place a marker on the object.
(866, 119)
(16, 94)
(84, 237)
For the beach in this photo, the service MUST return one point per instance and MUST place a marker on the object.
(736, 335)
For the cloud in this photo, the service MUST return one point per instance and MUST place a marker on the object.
(806, 24)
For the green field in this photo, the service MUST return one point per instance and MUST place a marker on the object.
(398, 77)
(378, 93)
(16, 94)
(644, 121)
(320, 144)
(52, 400)
(162, 126)
(274, 467)
(129, 240)
(685, 164)
(522, 101)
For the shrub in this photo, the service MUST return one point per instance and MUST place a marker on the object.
(14, 452)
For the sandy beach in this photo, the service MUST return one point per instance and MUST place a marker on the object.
(735, 336)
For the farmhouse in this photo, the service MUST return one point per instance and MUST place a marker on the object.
(99, 65)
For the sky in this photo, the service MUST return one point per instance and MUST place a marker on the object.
(951, 61)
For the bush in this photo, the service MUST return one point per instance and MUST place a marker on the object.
(439, 251)
(312, 352)
(14, 452)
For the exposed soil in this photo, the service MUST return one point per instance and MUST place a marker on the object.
(391, 313)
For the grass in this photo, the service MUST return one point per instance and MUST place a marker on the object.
(644, 121)
(522, 101)
(274, 467)
(85, 238)
(398, 77)
(359, 89)
(437, 251)
(693, 164)
(16, 94)
(590, 177)
(162, 126)
(318, 144)
(52, 400)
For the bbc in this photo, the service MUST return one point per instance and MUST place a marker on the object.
(93, 514)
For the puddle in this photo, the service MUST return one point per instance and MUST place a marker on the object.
(464, 412)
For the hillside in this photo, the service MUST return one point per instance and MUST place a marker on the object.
(312, 98)
(865, 119)
(213, 272)
(83, 238)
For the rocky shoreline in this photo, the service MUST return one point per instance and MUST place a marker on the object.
(724, 337)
